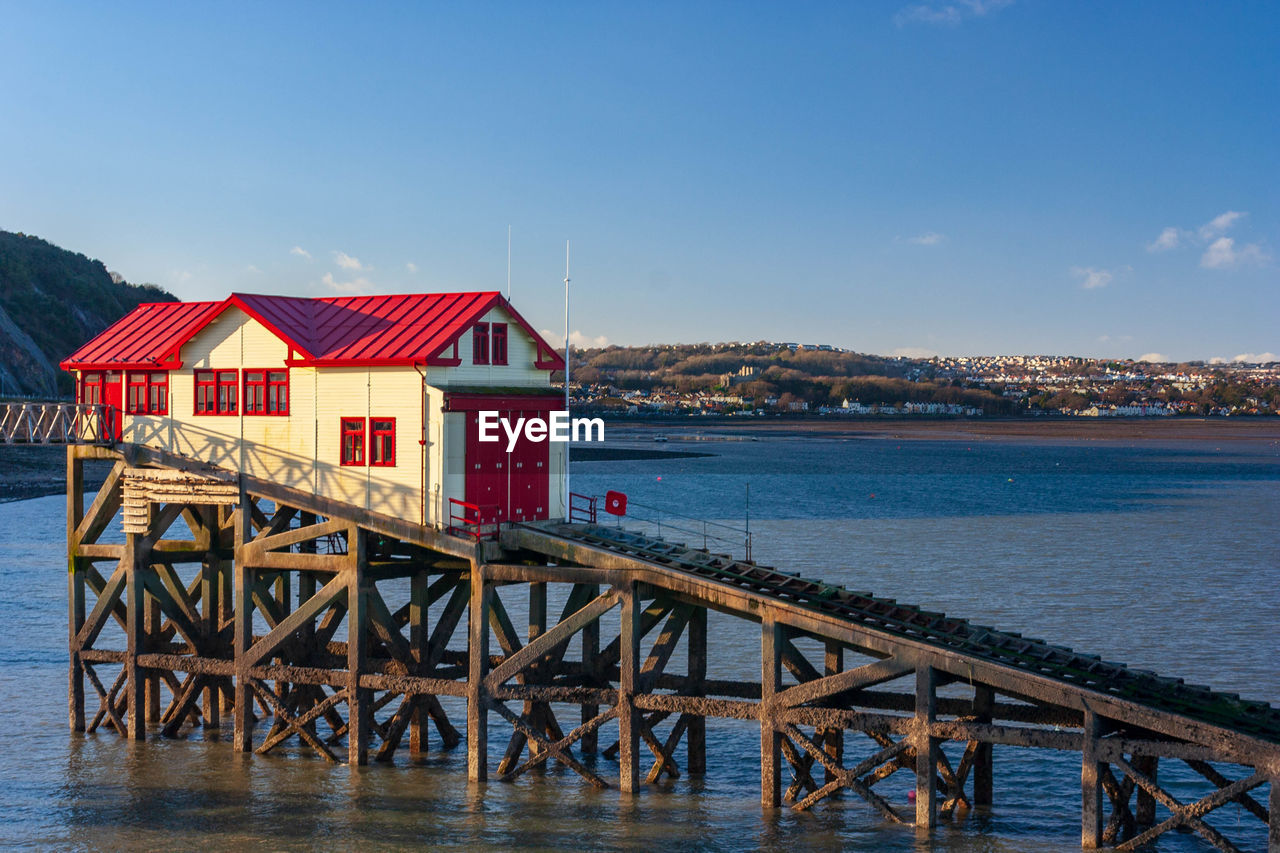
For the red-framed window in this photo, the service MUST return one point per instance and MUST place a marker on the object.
(382, 441)
(352, 441)
(498, 343)
(266, 392)
(91, 389)
(480, 343)
(147, 393)
(217, 392)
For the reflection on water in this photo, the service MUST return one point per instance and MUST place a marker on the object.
(1159, 557)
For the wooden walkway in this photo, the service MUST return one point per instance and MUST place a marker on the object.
(233, 601)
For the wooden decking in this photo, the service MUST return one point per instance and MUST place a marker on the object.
(348, 657)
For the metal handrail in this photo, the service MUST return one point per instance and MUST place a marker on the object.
(475, 521)
(710, 531)
(36, 422)
(582, 507)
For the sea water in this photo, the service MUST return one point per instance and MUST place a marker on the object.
(1159, 555)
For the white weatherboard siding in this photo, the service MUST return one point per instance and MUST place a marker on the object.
(517, 372)
(377, 392)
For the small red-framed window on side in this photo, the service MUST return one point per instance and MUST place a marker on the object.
(266, 392)
(217, 392)
(91, 389)
(147, 393)
(382, 441)
(158, 393)
(480, 343)
(255, 392)
(277, 392)
(353, 441)
(498, 346)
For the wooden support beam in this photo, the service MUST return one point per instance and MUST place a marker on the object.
(477, 670)
(135, 604)
(419, 587)
(926, 748)
(1273, 807)
(833, 664)
(242, 610)
(561, 633)
(75, 590)
(629, 674)
(696, 729)
(359, 699)
(984, 701)
(771, 637)
(1091, 783)
(590, 652)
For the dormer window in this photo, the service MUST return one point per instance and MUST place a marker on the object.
(480, 343)
(498, 347)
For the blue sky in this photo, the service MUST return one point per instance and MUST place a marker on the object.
(945, 176)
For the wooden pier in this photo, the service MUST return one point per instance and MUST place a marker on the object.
(294, 619)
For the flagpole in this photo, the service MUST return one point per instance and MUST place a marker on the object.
(567, 500)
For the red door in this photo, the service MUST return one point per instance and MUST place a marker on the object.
(530, 476)
(113, 399)
(515, 484)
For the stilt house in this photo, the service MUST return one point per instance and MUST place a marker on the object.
(370, 400)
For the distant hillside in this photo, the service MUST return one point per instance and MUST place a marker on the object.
(52, 301)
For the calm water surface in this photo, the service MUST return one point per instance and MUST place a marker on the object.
(1162, 556)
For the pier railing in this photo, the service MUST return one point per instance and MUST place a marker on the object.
(34, 422)
(661, 522)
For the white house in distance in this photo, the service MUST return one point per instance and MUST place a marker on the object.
(370, 400)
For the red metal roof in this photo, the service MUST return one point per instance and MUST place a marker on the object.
(343, 330)
(145, 336)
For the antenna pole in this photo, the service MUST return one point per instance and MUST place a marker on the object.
(508, 263)
(567, 500)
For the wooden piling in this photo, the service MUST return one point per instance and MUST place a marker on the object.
(359, 700)
(628, 675)
(75, 588)
(590, 660)
(926, 747)
(477, 669)
(1091, 770)
(135, 632)
(984, 700)
(696, 730)
(771, 637)
(242, 738)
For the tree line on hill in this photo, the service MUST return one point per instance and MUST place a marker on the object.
(52, 301)
(817, 377)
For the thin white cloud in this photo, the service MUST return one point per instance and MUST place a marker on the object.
(1221, 251)
(1153, 357)
(300, 252)
(411, 266)
(355, 287)
(1170, 238)
(347, 262)
(1256, 357)
(1223, 254)
(1092, 278)
(253, 269)
(947, 13)
(914, 352)
(1220, 224)
(929, 238)
(577, 339)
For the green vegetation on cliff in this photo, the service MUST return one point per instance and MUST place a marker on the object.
(52, 301)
